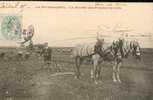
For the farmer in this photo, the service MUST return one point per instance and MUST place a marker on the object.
(98, 48)
(47, 54)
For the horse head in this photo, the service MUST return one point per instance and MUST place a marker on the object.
(119, 48)
(115, 48)
(135, 49)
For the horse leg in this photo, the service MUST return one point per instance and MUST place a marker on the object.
(78, 63)
(92, 69)
(95, 64)
(92, 73)
(114, 72)
(118, 72)
(98, 71)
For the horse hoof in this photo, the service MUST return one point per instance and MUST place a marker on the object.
(76, 77)
(91, 77)
(96, 82)
(114, 81)
(100, 81)
(119, 81)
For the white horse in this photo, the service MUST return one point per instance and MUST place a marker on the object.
(117, 50)
(83, 51)
(123, 50)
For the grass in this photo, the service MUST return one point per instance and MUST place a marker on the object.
(27, 80)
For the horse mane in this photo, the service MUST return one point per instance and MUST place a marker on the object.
(127, 46)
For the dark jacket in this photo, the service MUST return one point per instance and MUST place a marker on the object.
(47, 54)
(98, 48)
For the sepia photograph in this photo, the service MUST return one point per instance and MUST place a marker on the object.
(76, 50)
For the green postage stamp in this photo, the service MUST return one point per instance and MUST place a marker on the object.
(11, 27)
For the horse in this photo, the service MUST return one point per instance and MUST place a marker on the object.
(117, 50)
(86, 51)
(123, 49)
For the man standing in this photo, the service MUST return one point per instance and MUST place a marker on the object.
(99, 47)
(47, 55)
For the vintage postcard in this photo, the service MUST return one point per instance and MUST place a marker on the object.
(76, 50)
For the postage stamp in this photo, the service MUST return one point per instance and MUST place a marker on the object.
(11, 27)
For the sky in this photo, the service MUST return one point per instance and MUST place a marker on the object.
(67, 26)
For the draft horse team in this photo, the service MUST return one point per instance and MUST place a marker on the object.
(101, 51)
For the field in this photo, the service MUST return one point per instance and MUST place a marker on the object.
(30, 80)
